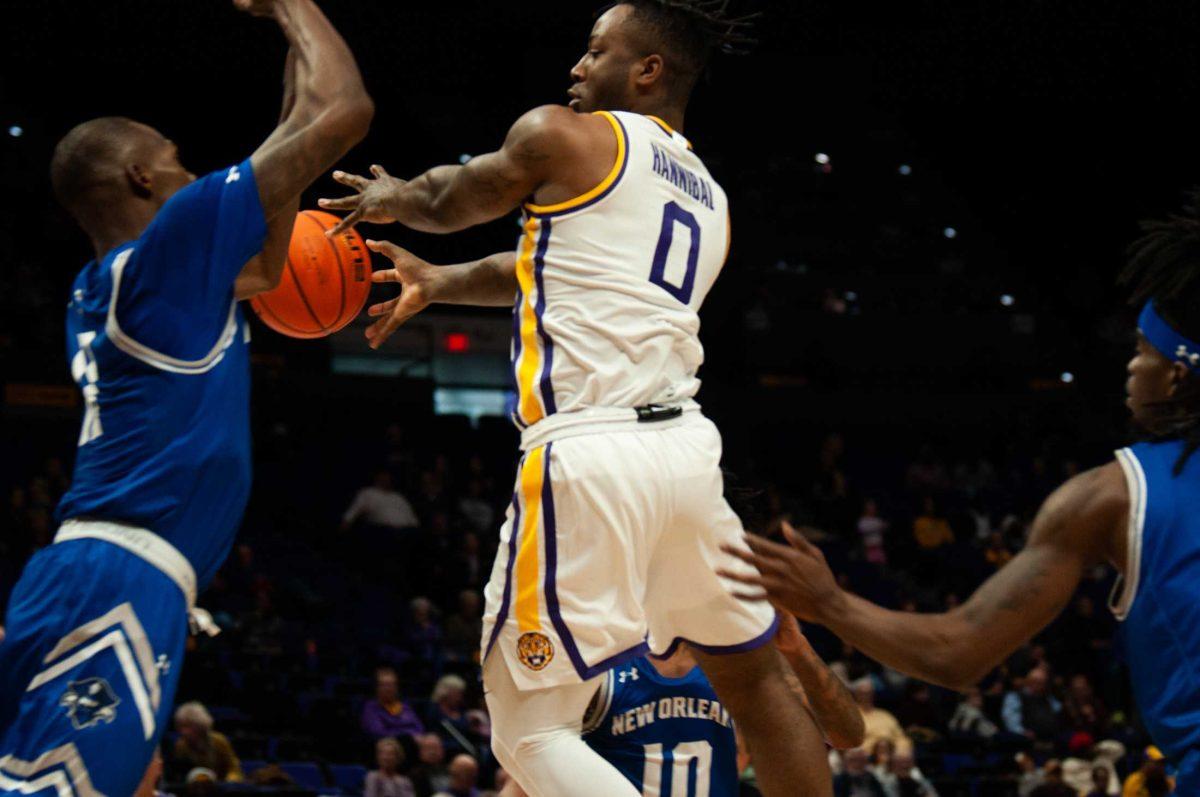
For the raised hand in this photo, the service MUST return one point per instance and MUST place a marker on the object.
(370, 204)
(417, 282)
(794, 578)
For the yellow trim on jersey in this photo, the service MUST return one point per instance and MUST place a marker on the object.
(670, 131)
(526, 568)
(604, 184)
(529, 406)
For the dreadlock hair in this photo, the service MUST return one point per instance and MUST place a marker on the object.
(1164, 267)
(689, 32)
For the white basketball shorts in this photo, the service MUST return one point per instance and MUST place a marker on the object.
(610, 549)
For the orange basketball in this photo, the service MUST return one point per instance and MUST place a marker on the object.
(325, 280)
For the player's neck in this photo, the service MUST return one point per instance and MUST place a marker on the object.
(670, 114)
(119, 226)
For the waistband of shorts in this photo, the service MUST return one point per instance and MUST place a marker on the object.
(139, 542)
(602, 420)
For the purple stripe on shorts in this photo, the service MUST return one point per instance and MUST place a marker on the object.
(502, 615)
(724, 650)
(539, 309)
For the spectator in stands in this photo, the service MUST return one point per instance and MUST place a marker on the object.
(1030, 776)
(464, 774)
(930, 529)
(1084, 711)
(423, 634)
(447, 715)
(880, 723)
(1151, 779)
(918, 714)
(997, 553)
(969, 720)
(1052, 782)
(381, 506)
(903, 779)
(882, 754)
(855, 780)
(386, 780)
(476, 509)
(1032, 711)
(464, 627)
(430, 774)
(1100, 782)
(871, 530)
(199, 746)
(387, 715)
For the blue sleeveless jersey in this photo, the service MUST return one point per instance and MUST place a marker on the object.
(1159, 601)
(668, 736)
(159, 348)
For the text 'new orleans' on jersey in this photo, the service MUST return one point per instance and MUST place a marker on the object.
(610, 282)
(159, 347)
(670, 737)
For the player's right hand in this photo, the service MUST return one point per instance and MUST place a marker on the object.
(416, 278)
(371, 202)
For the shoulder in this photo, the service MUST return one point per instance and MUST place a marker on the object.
(554, 129)
(1085, 512)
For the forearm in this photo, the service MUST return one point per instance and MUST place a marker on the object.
(437, 201)
(829, 699)
(327, 74)
(490, 282)
(938, 648)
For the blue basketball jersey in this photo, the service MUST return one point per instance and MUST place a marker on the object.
(1159, 601)
(668, 736)
(159, 348)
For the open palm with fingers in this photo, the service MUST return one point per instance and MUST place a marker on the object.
(794, 578)
(417, 280)
(370, 204)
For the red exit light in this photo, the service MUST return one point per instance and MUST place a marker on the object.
(457, 342)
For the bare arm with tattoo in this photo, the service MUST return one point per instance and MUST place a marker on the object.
(823, 693)
(1083, 523)
(551, 152)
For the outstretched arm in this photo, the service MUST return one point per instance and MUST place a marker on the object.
(823, 692)
(1081, 524)
(540, 146)
(490, 282)
(326, 112)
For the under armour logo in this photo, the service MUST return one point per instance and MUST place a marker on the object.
(233, 176)
(1182, 353)
(631, 675)
(163, 664)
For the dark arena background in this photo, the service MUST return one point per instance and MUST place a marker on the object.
(918, 328)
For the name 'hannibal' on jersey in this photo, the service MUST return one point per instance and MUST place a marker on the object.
(610, 282)
(667, 736)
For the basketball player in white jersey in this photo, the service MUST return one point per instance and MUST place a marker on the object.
(612, 542)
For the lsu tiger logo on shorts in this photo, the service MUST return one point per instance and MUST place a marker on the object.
(535, 650)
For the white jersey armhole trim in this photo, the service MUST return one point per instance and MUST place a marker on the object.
(599, 708)
(1125, 589)
(155, 358)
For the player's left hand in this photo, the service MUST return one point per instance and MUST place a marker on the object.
(370, 204)
(794, 578)
(417, 279)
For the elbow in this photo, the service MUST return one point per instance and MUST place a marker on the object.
(354, 118)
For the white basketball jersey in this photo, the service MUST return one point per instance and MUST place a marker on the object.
(610, 282)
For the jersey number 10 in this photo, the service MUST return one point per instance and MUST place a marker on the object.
(672, 215)
(682, 756)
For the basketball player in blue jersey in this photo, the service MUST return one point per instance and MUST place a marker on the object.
(610, 547)
(98, 620)
(1140, 513)
(660, 723)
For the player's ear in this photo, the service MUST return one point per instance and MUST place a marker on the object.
(139, 180)
(650, 71)
(1179, 374)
